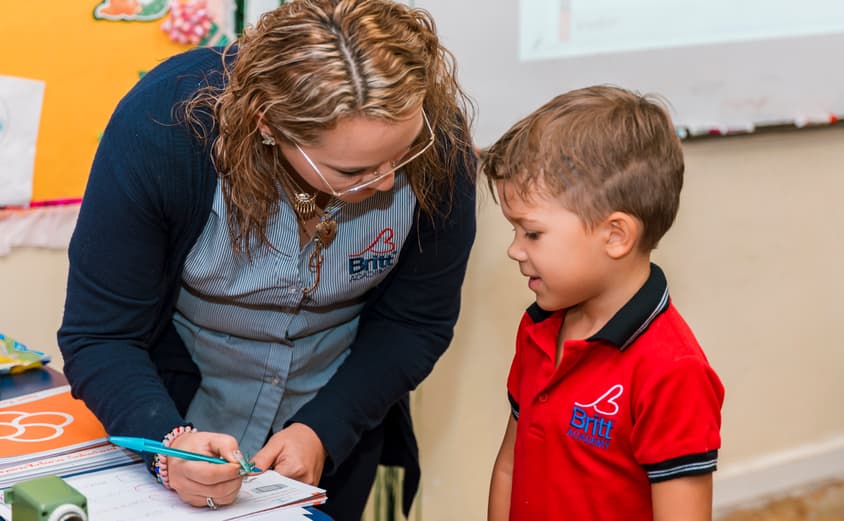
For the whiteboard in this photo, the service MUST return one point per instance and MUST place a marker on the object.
(722, 64)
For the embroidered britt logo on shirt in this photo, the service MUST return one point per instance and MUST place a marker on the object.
(589, 423)
(376, 258)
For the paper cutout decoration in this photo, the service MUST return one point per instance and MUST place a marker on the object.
(189, 21)
(20, 114)
(131, 10)
(37, 227)
(16, 357)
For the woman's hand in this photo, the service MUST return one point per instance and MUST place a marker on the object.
(295, 452)
(196, 481)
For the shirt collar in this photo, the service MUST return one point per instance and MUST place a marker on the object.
(633, 318)
(637, 314)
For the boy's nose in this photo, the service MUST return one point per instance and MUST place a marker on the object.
(515, 253)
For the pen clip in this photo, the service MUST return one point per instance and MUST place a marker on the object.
(245, 466)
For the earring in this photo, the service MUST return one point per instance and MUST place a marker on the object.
(267, 139)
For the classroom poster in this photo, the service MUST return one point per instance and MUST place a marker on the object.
(20, 113)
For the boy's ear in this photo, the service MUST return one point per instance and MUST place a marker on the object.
(623, 232)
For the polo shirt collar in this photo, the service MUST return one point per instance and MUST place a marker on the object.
(637, 314)
(633, 318)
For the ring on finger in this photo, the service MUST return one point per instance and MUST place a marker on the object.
(210, 502)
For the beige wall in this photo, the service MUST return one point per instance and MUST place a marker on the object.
(753, 263)
(32, 290)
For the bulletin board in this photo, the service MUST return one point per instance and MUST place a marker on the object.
(87, 65)
(725, 66)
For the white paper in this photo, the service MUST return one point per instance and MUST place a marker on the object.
(289, 514)
(130, 494)
(20, 113)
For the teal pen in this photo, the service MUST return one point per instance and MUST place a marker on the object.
(156, 447)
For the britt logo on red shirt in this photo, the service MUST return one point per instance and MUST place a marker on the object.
(376, 258)
(595, 430)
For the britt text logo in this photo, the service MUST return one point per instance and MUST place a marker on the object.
(595, 429)
(376, 258)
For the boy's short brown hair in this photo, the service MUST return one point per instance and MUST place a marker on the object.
(601, 149)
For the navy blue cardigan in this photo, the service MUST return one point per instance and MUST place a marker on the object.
(147, 200)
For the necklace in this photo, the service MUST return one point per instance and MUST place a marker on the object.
(303, 202)
(325, 232)
(305, 207)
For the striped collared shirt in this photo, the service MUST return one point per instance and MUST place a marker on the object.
(263, 347)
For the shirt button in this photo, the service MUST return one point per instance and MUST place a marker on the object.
(276, 380)
(543, 397)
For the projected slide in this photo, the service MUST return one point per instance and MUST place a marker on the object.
(570, 28)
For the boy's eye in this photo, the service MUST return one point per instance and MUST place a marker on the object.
(532, 235)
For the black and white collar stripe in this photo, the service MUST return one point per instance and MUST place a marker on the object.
(638, 313)
(633, 318)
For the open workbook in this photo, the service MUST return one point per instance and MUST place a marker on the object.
(51, 433)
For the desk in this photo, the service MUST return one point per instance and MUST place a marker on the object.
(34, 380)
(12, 385)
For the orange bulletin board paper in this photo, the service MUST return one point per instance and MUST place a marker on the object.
(88, 65)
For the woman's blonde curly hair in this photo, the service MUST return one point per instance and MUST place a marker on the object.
(310, 63)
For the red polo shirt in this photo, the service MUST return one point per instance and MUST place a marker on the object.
(635, 404)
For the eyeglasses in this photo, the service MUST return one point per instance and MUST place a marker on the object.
(412, 153)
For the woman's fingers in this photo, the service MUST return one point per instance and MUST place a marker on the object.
(221, 494)
(196, 481)
(295, 452)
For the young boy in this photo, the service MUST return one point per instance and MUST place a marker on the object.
(615, 409)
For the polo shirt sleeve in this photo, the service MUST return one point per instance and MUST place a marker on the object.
(678, 420)
(514, 380)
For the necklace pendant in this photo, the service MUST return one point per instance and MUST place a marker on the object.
(326, 230)
(305, 205)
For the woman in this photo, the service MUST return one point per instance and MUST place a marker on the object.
(270, 250)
